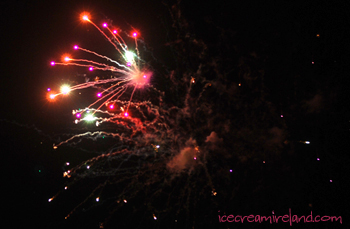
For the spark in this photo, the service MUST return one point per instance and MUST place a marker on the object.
(89, 117)
(65, 89)
(129, 56)
(85, 17)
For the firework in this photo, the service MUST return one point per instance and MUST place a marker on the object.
(142, 131)
(152, 156)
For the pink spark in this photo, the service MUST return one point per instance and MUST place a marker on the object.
(91, 68)
(52, 63)
(128, 64)
(126, 114)
(105, 25)
(78, 115)
(318, 159)
(144, 76)
(134, 34)
(49, 89)
(281, 116)
(75, 47)
(99, 94)
(115, 31)
(230, 170)
(111, 106)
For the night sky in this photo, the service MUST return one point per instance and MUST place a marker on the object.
(260, 88)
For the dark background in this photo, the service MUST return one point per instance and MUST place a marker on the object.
(34, 33)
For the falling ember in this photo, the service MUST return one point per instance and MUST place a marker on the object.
(125, 201)
(154, 217)
(50, 199)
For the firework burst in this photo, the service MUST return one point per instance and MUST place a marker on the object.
(152, 158)
(144, 140)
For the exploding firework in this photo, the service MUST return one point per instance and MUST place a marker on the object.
(144, 139)
(154, 162)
